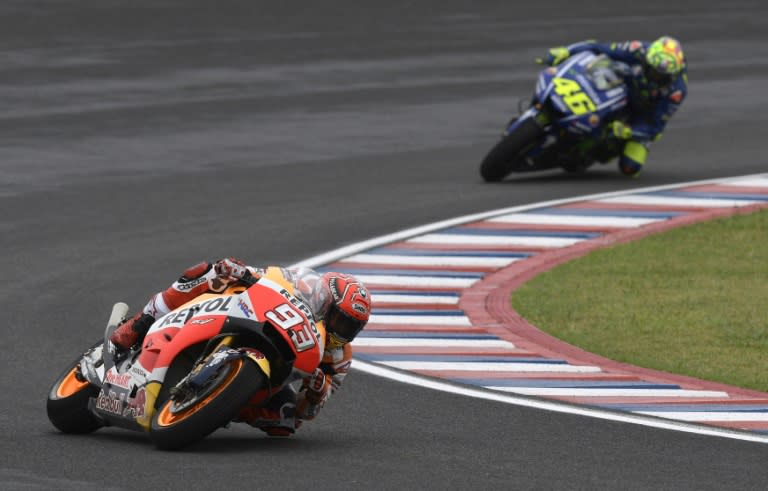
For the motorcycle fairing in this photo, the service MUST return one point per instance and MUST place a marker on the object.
(129, 389)
(296, 320)
(582, 103)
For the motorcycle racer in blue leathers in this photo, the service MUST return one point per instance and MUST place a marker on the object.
(657, 82)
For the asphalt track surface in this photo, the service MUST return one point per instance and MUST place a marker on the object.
(139, 139)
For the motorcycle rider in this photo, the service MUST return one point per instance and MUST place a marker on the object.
(340, 300)
(657, 80)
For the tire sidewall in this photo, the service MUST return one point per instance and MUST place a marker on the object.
(505, 156)
(216, 413)
(70, 414)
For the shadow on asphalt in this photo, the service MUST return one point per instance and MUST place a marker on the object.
(558, 176)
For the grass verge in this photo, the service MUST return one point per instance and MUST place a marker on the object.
(692, 301)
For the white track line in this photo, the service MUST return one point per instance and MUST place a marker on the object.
(434, 320)
(576, 220)
(433, 261)
(675, 201)
(639, 419)
(494, 240)
(431, 343)
(415, 298)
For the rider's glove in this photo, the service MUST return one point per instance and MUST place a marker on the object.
(621, 130)
(318, 387)
(230, 268)
(556, 56)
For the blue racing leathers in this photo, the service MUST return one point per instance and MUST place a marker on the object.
(651, 105)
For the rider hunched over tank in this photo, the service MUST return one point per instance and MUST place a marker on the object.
(594, 103)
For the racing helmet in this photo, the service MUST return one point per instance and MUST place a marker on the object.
(349, 309)
(665, 60)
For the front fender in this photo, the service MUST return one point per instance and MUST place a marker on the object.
(203, 372)
(260, 361)
(200, 375)
(534, 113)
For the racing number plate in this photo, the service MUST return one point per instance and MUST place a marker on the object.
(573, 96)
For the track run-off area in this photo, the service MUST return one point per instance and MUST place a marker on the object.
(442, 317)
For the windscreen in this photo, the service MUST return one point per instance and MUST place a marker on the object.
(602, 72)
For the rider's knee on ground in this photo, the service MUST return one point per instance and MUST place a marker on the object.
(633, 158)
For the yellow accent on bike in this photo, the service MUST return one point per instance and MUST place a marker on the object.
(262, 363)
(556, 56)
(559, 54)
(573, 96)
(621, 130)
(275, 274)
(152, 391)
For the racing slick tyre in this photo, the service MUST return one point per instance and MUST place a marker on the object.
(505, 156)
(68, 402)
(178, 423)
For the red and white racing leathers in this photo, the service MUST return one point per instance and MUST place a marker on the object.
(283, 412)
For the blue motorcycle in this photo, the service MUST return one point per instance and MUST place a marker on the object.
(567, 124)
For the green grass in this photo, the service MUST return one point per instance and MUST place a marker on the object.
(692, 301)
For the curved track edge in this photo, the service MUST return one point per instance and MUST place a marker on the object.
(445, 320)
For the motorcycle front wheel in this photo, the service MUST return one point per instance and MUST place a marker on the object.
(505, 156)
(177, 424)
(68, 402)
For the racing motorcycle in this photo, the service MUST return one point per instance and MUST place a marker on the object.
(196, 368)
(567, 124)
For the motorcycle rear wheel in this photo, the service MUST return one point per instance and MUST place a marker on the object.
(212, 409)
(505, 156)
(68, 403)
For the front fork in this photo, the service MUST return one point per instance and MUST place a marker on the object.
(205, 370)
(533, 112)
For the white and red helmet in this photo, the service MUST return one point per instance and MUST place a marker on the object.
(349, 309)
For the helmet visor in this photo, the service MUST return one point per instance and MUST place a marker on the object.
(342, 325)
(659, 78)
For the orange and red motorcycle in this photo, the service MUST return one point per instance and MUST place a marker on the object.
(197, 367)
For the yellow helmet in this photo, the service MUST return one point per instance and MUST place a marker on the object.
(665, 56)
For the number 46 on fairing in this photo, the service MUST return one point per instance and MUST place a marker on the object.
(573, 96)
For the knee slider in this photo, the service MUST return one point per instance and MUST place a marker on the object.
(633, 158)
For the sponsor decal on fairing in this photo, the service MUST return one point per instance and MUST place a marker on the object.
(220, 305)
(189, 285)
(112, 403)
(247, 311)
(118, 379)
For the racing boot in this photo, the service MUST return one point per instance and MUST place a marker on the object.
(273, 422)
(275, 418)
(132, 331)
